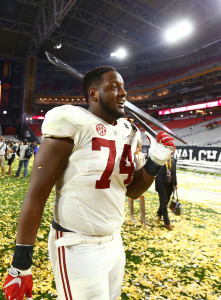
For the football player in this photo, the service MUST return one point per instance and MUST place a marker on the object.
(89, 156)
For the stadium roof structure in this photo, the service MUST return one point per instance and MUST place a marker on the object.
(89, 30)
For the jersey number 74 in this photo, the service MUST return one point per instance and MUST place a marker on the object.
(126, 156)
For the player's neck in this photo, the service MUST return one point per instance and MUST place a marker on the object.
(106, 117)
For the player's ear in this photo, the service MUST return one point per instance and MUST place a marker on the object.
(92, 94)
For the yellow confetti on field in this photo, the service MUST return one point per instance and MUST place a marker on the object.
(182, 264)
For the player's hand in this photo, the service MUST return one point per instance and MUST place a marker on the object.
(18, 284)
(161, 148)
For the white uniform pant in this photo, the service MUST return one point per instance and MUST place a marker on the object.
(87, 268)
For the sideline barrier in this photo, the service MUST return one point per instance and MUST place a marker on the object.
(200, 166)
(193, 158)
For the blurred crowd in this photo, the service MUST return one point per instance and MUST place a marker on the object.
(212, 125)
(9, 150)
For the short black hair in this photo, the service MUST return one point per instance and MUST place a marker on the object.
(94, 77)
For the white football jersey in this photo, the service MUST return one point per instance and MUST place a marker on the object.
(90, 193)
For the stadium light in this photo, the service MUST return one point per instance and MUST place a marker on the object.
(57, 46)
(121, 53)
(178, 31)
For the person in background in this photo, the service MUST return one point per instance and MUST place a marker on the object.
(215, 124)
(11, 156)
(36, 148)
(165, 184)
(140, 161)
(23, 160)
(89, 156)
(3, 151)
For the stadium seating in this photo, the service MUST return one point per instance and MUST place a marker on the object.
(171, 75)
(57, 85)
(193, 131)
(45, 86)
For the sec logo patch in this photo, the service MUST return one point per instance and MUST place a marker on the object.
(101, 130)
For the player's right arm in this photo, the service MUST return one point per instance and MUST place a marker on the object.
(50, 161)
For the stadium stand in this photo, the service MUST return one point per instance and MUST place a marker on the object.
(45, 86)
(182, 123)
(194, 133)
(57, 85)
(170, 75)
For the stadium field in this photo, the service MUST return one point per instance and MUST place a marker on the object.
(181, 264)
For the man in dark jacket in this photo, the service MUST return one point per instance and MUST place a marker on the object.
(165, 184)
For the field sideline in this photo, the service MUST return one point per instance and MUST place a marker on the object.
(182, 264)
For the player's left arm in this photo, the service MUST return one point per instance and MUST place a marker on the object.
(161, 149)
